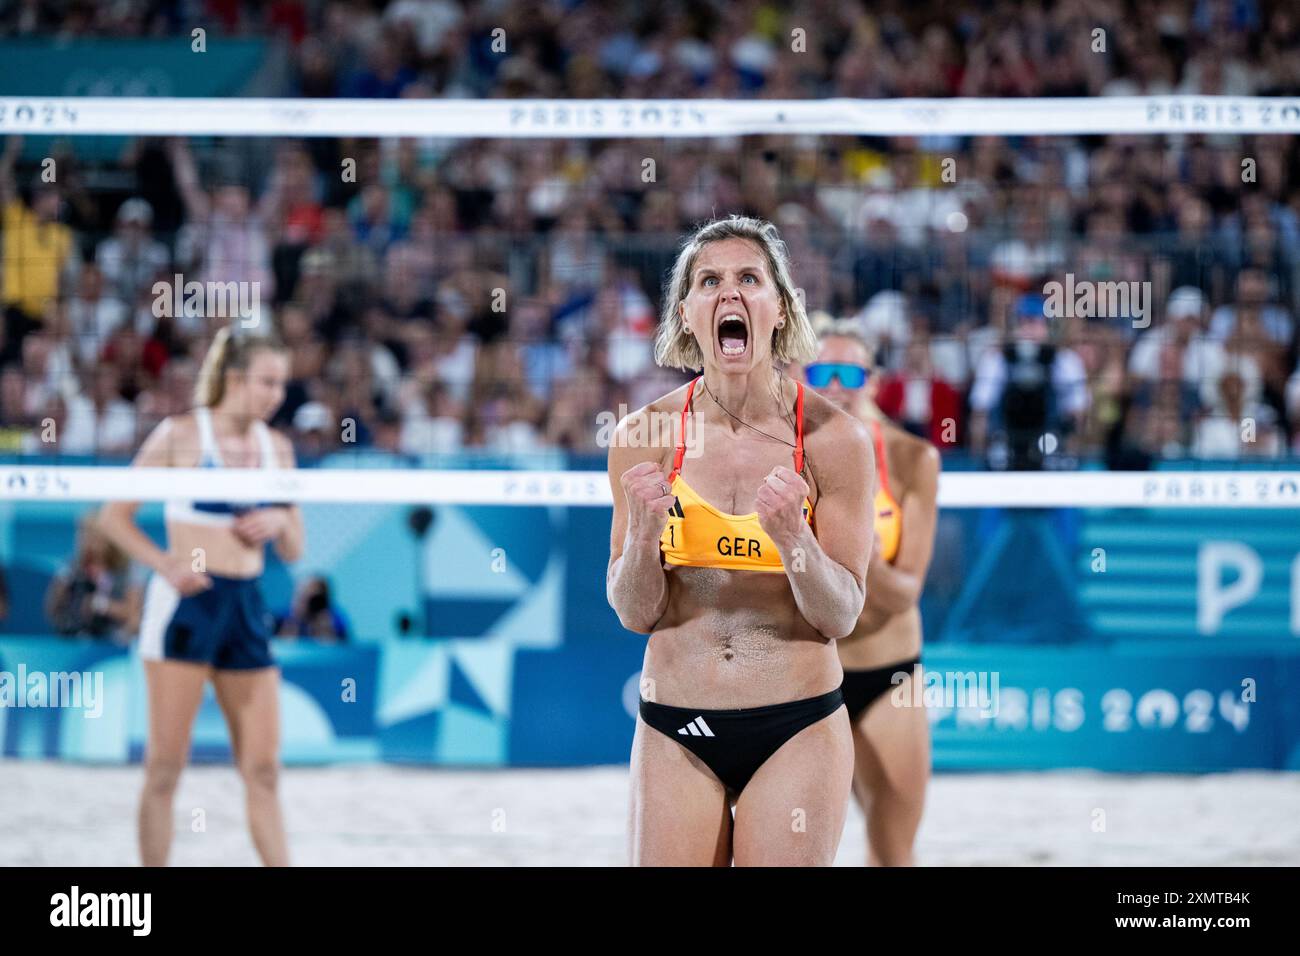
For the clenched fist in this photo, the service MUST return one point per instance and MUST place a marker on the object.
(260, 525)
(780, 505)
(649, 496)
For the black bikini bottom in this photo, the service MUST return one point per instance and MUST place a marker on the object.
(861, 688)
(735, 743)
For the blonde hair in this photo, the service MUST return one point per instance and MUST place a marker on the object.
(793, 342)
(846, 329)
(226, 353)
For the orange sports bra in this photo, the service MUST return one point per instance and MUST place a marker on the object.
(889, 516)
(699, 535)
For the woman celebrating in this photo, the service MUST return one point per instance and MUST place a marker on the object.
(204, 617)
(743, 554)
(891, 743)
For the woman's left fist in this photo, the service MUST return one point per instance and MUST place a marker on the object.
(779, 504)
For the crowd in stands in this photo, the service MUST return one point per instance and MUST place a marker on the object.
(499, 296)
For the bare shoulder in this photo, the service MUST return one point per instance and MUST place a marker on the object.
(282, 444)
(280, 439)
(184, 437)
(917, 460)
(827, 426)
(184, 425)
(839, 445)
(172, 443)
(671, 403)
(648, 434)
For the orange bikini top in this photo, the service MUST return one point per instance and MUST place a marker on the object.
(699, 535)
(889, 516)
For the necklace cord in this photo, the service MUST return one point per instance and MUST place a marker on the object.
(788, 414)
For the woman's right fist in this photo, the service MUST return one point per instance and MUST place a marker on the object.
(649, 496)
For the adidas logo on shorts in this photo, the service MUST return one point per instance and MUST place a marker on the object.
(696, 728)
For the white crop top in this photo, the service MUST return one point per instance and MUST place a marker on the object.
(218, 513)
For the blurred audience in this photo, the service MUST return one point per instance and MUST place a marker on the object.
(99, 594)
(495, 296)
(313, 614)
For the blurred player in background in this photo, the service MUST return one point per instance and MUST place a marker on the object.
(891, 734)
(204, 616)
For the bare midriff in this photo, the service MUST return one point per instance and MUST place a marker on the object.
(224, 554)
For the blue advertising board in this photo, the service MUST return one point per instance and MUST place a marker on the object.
(1119, 639)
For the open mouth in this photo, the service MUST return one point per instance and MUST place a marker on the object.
(733, 335)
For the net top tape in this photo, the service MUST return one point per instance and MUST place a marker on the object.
(570, 118)
(1095, 489)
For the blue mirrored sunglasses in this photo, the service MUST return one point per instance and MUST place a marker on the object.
(819, 374)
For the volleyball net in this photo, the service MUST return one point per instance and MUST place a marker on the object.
(333, 485)
(1049, 284)
(1087, 305)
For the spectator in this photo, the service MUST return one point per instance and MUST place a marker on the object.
(385, 74)
(224, 238)
(921, 402)
(1195, 258)
(131, 258)
(313, 615)
(884, 322)
(101, 423)
(432, 423)
(37, 250)
(500, 293)
(1029, 396)
(318, 295)
(1236, 428)
(93, 315)
(47, 361)
(378, 218)
(316, 430)
(1293, 409)
(17, 420)
(1252, 300)
(1160, 424)
(171, 394)
(1200, 358)
(99, 594)
(1021, 262)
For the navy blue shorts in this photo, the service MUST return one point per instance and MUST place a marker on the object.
(227, 626)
